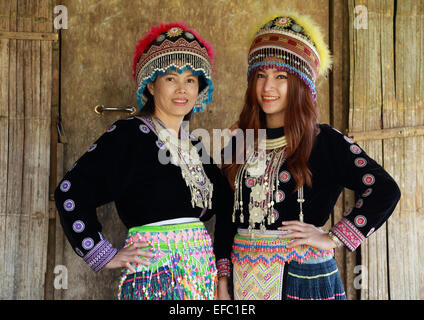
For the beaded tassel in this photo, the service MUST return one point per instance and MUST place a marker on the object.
(300, 200)
(176, 274)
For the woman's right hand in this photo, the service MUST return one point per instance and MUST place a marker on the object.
(129, 255)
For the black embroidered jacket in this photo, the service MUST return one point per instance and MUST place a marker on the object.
(122, 166)
(336, 162)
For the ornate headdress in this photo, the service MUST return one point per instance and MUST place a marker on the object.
(169, 47)
(292, 43)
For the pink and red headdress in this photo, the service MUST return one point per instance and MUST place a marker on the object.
(173, 47)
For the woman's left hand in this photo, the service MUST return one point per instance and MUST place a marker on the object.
(307, 234)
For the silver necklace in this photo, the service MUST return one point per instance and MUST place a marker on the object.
(185, 155)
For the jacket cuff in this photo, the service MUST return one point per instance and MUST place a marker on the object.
(348, 234)
(224, 268)
(100, 255)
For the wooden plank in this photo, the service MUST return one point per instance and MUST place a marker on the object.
(10, 254)
(339, 119)
(404, 269)
(4, 148)
(42, 36)
(364, 115)
(419, 89)
(400, 132)
(25, 142)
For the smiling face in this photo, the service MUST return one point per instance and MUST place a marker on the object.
(175, 93)
(271, 94)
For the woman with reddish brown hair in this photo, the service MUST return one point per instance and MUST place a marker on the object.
(287, 185)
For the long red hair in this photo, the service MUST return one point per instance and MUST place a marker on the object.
(300, 127)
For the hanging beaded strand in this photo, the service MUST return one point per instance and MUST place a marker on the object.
(300, 200)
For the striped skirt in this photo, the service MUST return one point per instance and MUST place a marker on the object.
(183, 267)
(265, 269)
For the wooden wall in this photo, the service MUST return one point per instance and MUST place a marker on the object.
(26, 34)
(376, 84)
(387, 91)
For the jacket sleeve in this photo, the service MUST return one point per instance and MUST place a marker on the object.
(98, 177)
(222, 208)
(376, 193)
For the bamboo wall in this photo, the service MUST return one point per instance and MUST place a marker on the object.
(366, 91)
(387, 91)
(26, 30)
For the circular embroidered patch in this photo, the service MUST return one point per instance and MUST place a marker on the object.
(275, 215)
(348, 139)
(347, 212)
(87, 243)
(368, 179)
(65, 186)
(79, 252)
(360, 221)
(160, 38)
(92, 147)
(160, 144)
(113, 127)
(174, 32)
(360, 162)
(144, 128)
(367, 192)
(359, 203)
(69, 205)
(189, 35)
(284, 176)
(283, 22)
(78, 226)
(296, 28)
(279, 196)
(250, 182)
(370, 232)
(355, 149)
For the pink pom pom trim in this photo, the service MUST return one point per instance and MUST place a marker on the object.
(155, 31)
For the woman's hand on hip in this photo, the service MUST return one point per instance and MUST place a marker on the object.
(307, 234)
(131, 255)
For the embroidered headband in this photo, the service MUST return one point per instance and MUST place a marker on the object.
(292, 43)
(172, 47)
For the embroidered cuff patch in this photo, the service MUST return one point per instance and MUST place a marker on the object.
(100, 255)
(224, 268)
(348, 234)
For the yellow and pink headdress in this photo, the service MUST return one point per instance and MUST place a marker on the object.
(173, 47)
(292, 43)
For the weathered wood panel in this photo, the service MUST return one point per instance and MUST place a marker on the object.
(406, 227)
(339, 114)
(364, 115)
(386, 89)
(25, 143)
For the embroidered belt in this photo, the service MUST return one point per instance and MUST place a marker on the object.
(265, 249)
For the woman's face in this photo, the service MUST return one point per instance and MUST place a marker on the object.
(174, 93)
(271, 91)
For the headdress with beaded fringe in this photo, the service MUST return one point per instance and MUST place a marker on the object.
(293, 43)
(168, 47)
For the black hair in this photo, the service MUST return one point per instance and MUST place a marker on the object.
(149, 106)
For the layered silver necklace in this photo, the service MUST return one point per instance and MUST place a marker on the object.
(186, 156)
(261, 173)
